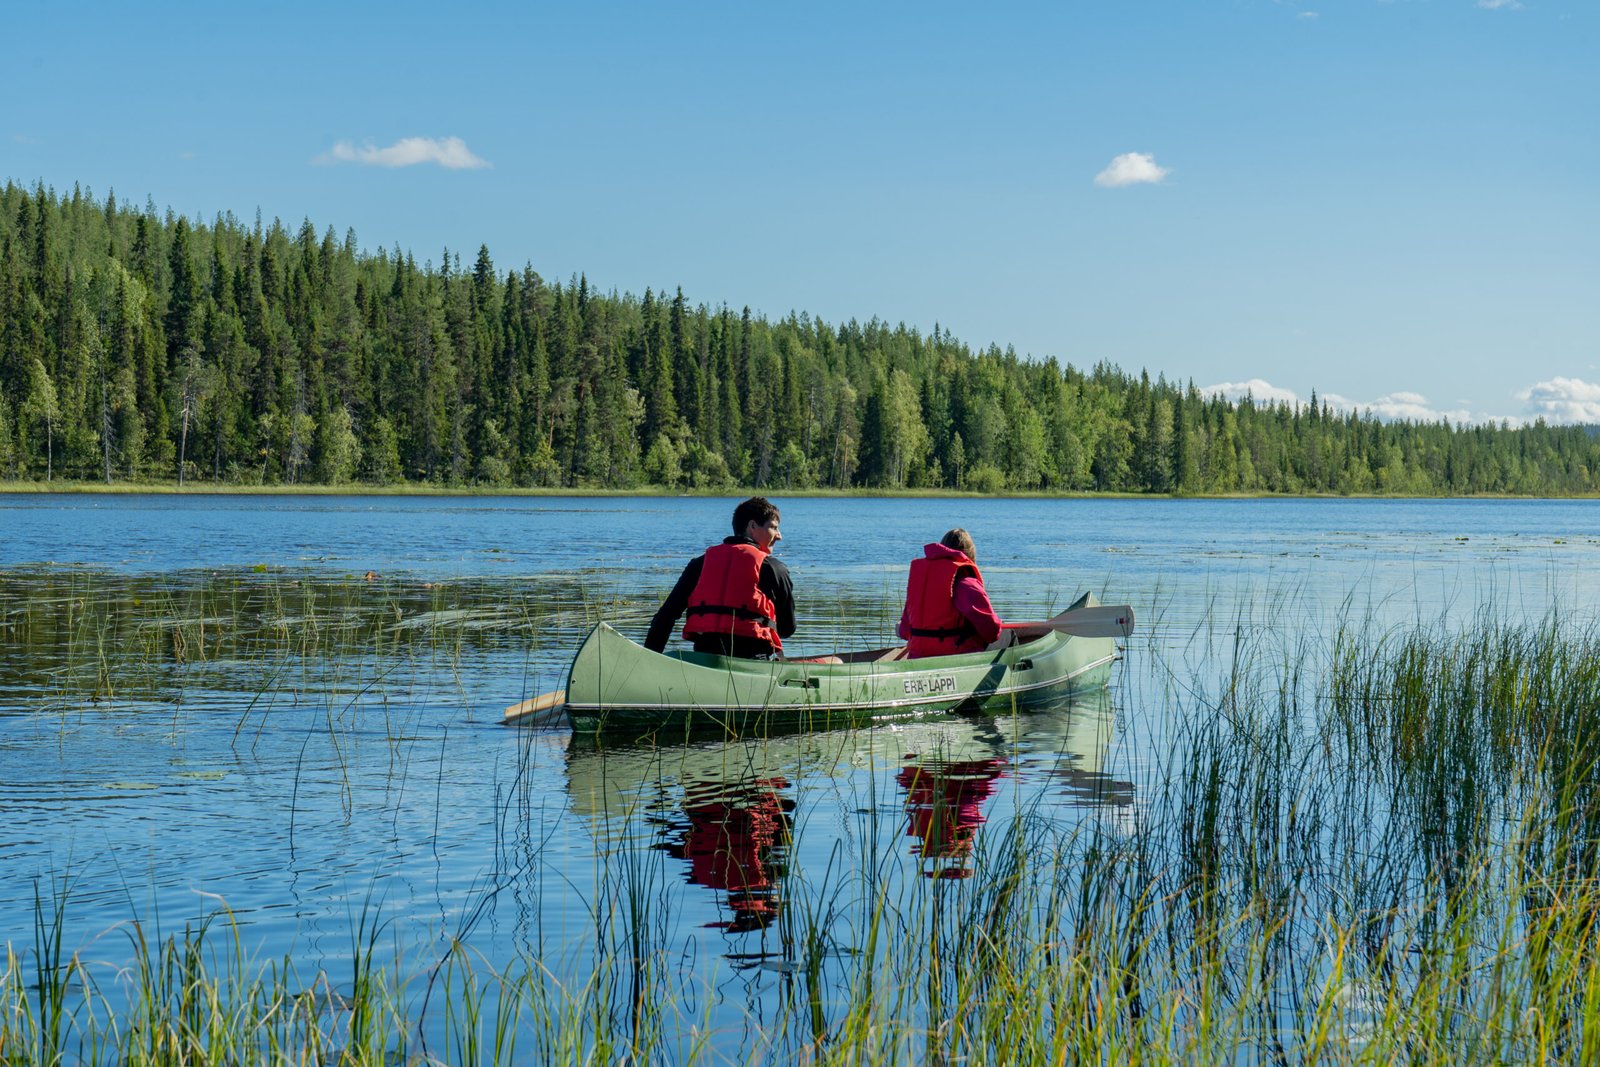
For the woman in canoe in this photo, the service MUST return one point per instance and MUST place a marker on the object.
(947, 609)
(739, 599)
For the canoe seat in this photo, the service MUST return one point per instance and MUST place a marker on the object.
(816, 659)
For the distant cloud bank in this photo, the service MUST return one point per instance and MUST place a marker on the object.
(1411, 407)
(1500, 5)
(1131, 168)
(1255, 388)
(1563, 400)
(1558, 401)
(451, 153)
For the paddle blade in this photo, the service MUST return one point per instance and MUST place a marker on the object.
(541, 710)
(1102, 620)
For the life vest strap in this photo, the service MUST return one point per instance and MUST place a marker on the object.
(736, 612)
(960, 631)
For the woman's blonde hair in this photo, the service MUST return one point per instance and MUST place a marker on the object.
(961, 541)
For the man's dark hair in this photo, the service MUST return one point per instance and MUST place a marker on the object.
(757, 509)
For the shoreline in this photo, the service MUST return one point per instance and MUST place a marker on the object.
(74, 488)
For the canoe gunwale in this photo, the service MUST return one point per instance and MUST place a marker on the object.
(937, 701)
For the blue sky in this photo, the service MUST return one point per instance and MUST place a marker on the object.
(1394, 203)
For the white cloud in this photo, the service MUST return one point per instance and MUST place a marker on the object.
(451, 153)
(1562, 400)
(1398, 406)
(1257, 388)
(1500, 5)
(1131, 168)
(1414, 407)
(1307, 15)
(1406, 406)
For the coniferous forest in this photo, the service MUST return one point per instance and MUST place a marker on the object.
(140, 346)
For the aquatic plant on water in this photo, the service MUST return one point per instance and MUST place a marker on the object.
(1382, 847)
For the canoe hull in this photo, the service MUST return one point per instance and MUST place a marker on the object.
(617, 687)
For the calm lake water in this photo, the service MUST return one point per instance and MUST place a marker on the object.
(289, 706)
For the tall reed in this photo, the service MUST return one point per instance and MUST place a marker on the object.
(1382, 847)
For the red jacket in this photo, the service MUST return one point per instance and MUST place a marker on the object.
(728, 600)
(947, 610)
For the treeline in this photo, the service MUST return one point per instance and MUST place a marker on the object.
(137, 345)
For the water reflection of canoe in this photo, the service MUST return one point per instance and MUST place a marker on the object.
(1063, 741)
(618, 687)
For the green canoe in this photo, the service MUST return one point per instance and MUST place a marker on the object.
(617, 687)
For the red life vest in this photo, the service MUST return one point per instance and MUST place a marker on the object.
(937, 628)
(728, 598)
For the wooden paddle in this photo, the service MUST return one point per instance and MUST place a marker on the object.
(1104, 620)
(549, 704)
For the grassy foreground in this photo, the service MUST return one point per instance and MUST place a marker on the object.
(1380, 848)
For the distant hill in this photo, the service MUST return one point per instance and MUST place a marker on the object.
(139, 345)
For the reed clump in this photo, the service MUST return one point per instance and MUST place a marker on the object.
(1382, 847)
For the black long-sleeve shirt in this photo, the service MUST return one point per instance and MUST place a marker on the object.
(773, 581)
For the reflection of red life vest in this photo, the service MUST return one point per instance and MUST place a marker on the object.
(937, 628)
(728, 599)
(728, 842)
(944, 803)
(738, 840)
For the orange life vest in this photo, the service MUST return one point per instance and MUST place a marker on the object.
(937, 628)
(728, 598)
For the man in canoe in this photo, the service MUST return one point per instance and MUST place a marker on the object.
(739, 599)
(947, 609)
